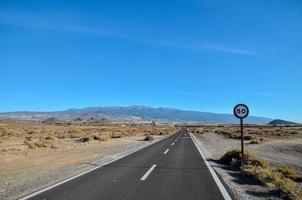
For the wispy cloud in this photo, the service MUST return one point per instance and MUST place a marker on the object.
(231, 50)
(37, 22)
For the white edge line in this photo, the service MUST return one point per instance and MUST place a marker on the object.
(166, 151)
(222, 189)
(148, 172)
(86, 172)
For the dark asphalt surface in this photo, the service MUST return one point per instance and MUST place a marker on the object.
(181, 173)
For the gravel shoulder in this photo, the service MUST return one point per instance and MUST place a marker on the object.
(22, 174)
(283, 152)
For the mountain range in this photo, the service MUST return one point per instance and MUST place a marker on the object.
(137, 113)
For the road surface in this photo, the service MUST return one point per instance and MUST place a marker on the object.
(169, 169)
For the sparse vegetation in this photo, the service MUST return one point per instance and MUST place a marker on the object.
(233, 157)
(247, 137)
(250, 133)
(290, 172)
(103, 136)
(40, 144)
(255, 141)
(116, 135)
(149, 138)
(84, 139)
(41, 136)
(277, 178)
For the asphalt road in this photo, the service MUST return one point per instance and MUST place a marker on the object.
(170, 169)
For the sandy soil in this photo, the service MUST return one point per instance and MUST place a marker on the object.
(280, 151)
(283, 152)
(21, 175)
(36, 156)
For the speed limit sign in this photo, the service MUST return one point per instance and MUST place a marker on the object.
(241, 111)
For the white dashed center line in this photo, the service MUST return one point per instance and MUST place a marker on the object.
(172, 143)
(166, 151)
(148, 173)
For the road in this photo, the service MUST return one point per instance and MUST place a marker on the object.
(169, 169)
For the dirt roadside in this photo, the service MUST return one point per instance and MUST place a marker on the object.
(278, 151)
(22, 174)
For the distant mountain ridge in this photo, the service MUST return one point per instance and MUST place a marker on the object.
(139, 113)
(281, 122)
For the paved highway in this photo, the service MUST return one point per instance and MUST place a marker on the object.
(169, 169)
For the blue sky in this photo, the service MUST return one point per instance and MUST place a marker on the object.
(202, 55)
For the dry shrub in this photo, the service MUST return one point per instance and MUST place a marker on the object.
(74, 135)
(233, 157)
(61, 136)
(116, 135)
(105, 136)
(84, 139)
(247, 137)
(255, 141)
(30, 132)
(40, 144)
(149, 138)
(277, 178)
(290, 172)
(49, 138)
(273, 179)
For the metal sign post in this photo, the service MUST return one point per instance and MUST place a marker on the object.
(241, 111)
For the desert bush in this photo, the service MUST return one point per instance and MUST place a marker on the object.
(290, 172)
(72, 135)
(30, 132)
(255, 141)
(279, 134)
(247, 137)
(28, 138)
(233, 157)
(149, 138)
(40, 144)
(61, 136)
(84, 139)
(105, 136)
(49, 138)
(116, 135)
(235, 136)
(273, 179)
(277, 178)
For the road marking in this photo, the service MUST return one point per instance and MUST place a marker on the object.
(222, 189)
(172, 143)
(86, 172)
(148, 173)
(166, 151)
(175, 140)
